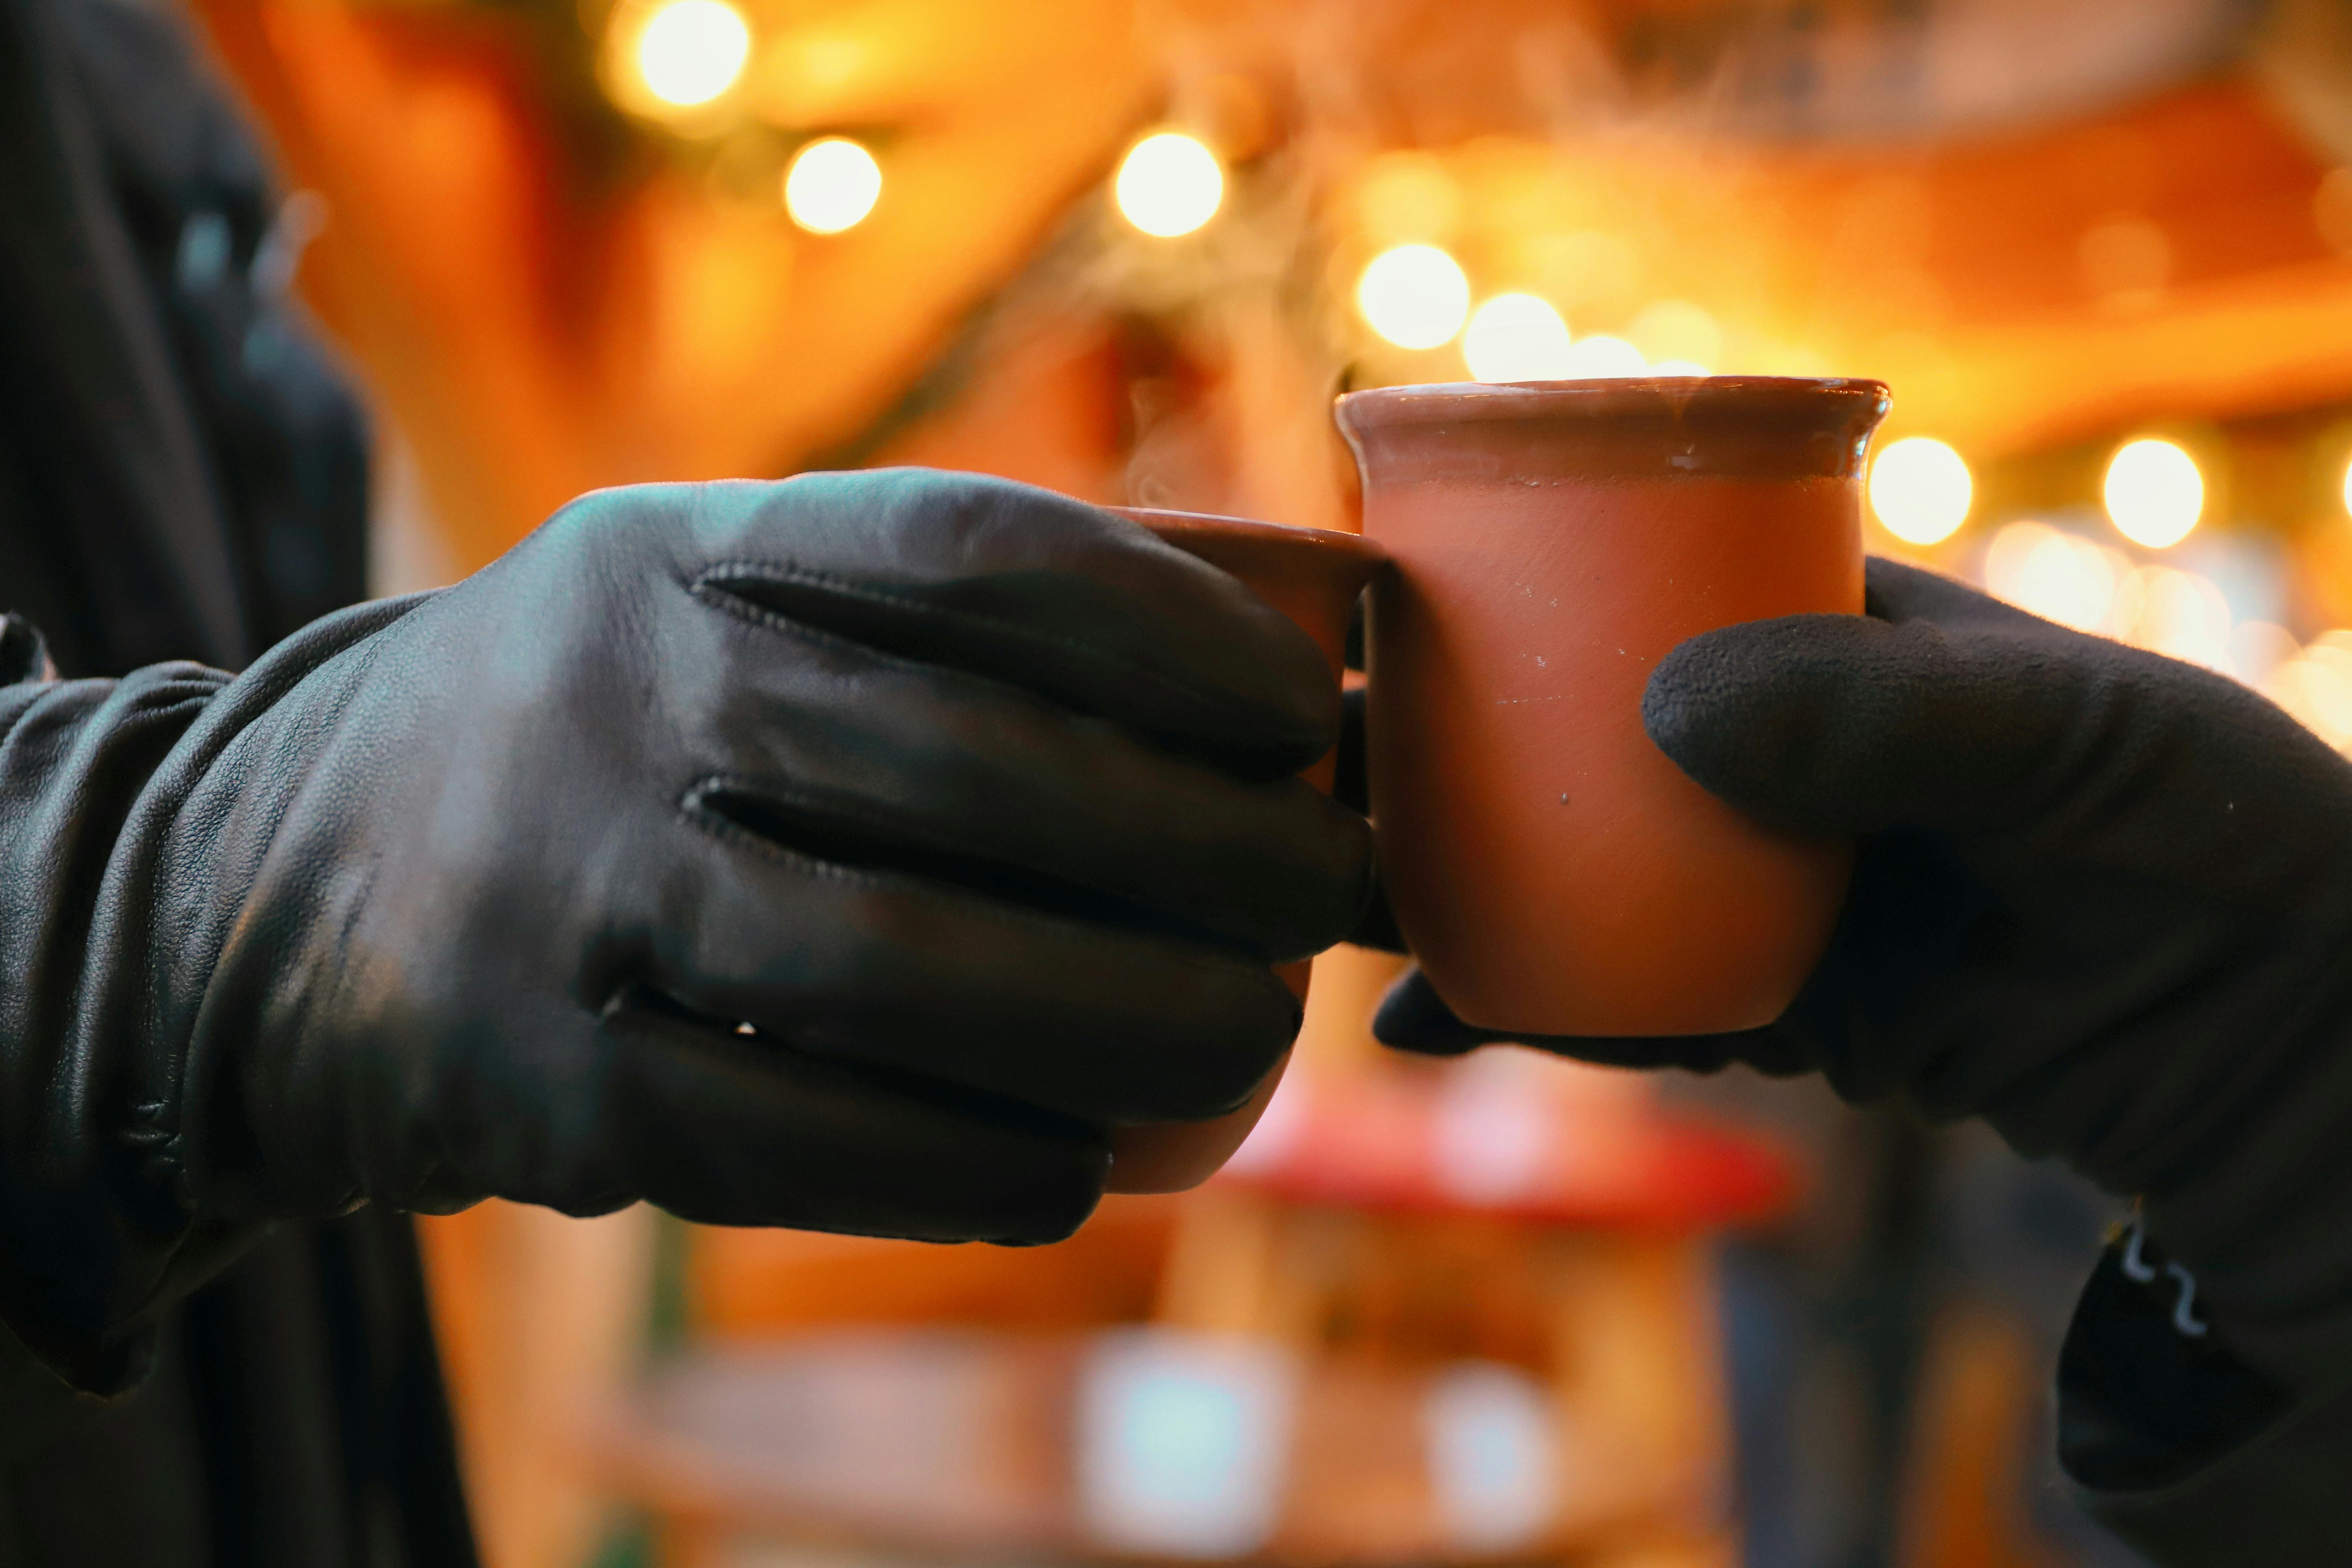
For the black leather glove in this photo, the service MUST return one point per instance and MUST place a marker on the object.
(845, 853)
(2104, 901)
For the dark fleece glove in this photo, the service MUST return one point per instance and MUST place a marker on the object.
(845, 853)
(2104, 901)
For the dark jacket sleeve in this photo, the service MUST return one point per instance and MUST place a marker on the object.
(2196, 1459)
(97, 1235)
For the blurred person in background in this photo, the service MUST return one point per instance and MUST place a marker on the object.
(521, 889)
(180, 476)
(2132, 997)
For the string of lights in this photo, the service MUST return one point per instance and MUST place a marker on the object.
(683, 65)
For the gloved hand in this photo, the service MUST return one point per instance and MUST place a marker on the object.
(2104, 901)
(845, 853)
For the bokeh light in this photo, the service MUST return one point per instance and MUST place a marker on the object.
(2054, 574)
(1677, 367)
(1920, 490)
(1601, 357)
(1169, 184)
(1517, 337)
(1415, 296)
(2154, 492)
(2315, 686)
(1677, 331)
(2259, 647)
(832, 185)
(2183, 614)
(2345, 489)
(2093, 587)
(690, 51)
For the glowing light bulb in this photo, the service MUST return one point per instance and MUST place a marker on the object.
(1415, 296)
(1920, 490)
(690, 51)
(832, 185)
(2154, 492)
(1168, 184)
(1517, 337)
(1602, 358)
(2348, 487)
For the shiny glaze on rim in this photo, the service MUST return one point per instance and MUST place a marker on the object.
(1728, 426)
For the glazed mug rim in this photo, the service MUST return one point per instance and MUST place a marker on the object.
(1614, 397)
(1757, 427)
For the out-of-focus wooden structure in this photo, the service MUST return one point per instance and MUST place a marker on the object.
(1400, 1223)
(542, 312)
(2043, 224)
(545, 301)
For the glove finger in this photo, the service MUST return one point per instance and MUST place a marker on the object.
(1840, 725)
(895, 972)
(1020, 584)
(1413, 1017)
(846, 752)
(725, 1130)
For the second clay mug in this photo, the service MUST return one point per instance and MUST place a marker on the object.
(1553, 870)
(1314, 576)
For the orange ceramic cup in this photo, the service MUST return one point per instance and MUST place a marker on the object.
(1313, 576)
(1554, 871)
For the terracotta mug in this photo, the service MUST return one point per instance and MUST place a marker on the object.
(1313, 576)
(1554, 871)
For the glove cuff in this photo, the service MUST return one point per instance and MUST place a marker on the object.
(2184, 1452)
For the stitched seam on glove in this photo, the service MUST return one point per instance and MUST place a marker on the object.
(710, 586)
(364, 650)
(916, 834)
(1011, 916)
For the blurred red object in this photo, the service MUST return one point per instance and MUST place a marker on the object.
(1541, 1142)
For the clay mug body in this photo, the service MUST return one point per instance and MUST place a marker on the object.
(1314, 576)
(1553, 870)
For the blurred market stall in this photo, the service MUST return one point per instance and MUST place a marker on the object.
(2102, 250)
(1432, 1312)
